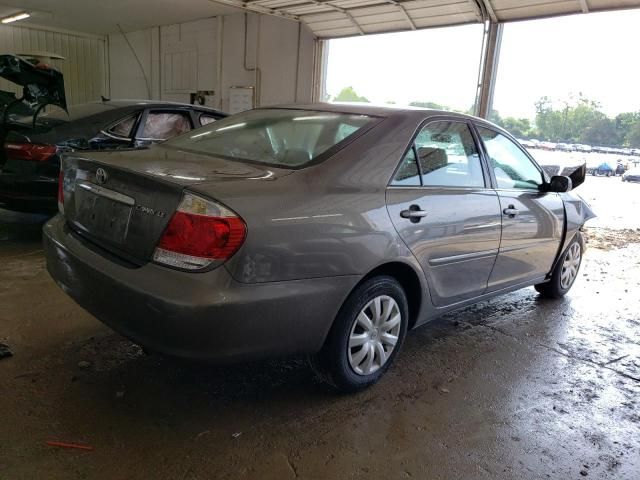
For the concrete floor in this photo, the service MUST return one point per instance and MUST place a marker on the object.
(515, 387)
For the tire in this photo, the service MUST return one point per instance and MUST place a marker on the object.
(565, 272)
(345, 368)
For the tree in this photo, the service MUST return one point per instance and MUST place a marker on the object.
(571, 120)
(633, 135)
(431, 105)
(601, 132)
(518, 127)
(626, 124)
(348, 94)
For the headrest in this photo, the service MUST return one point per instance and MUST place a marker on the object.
(432, 158)
(296, 156)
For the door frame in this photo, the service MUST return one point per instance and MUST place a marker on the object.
(486, 171)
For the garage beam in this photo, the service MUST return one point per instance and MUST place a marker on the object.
(250, 7)
(488, 71)
(404, 13)
(489, 9)
(584, 6)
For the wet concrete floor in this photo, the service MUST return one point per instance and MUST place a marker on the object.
(514, 387)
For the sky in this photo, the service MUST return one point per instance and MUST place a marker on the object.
(594, 54)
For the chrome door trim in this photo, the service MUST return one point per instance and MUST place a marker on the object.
(105, 192)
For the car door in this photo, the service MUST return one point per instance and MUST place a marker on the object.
(532, 219)
(158, 125)
(443, 208)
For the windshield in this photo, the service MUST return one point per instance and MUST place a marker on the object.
(287, 138)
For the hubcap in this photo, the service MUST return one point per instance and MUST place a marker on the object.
(374, 335)
(570, 266)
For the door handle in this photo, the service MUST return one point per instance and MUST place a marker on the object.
(415, 213)
(511, 211)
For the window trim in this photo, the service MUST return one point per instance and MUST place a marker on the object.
(134, 127)
(494, 182)
(487, 179)
(199, 114)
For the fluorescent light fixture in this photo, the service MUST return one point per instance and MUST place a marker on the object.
(16, 17)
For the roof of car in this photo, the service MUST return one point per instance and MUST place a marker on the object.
(124, 102)
(147, 103)
(375, 110)
(83, 110)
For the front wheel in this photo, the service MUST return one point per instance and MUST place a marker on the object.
(366, 335)
(565, 272)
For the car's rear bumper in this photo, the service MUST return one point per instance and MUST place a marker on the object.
(206, 316)
(27, 195)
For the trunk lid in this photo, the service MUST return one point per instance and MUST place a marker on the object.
(42, 84)
(124, 200)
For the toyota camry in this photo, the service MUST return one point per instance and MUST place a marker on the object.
(326, 230)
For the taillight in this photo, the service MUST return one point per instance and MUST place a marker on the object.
(61, 192)
(29, 151)
(200, 233)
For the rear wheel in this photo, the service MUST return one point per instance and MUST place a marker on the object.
(366, 335)
(565, 272)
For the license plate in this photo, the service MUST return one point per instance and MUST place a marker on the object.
(101, 215)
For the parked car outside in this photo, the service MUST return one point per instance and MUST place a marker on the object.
(603, 169)
(30, 163)
(327, 230)
(526, 143)
(564, 147)
(631, 175)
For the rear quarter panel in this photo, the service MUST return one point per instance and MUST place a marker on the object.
(325, 220)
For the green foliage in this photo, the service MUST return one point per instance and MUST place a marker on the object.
(633, 135)
(348, 94)
(431, 105)
(518, 127)
(580, 120)
(576, 119)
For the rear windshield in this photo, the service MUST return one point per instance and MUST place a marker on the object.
(280, 137)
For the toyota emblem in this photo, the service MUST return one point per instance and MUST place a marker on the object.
(101, 176)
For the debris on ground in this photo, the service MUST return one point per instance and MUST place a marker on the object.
(5, 351)
(236, 435)
(606, 238)
(84, 364)
(77, 446)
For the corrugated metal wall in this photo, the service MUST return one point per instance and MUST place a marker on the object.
(84, 67)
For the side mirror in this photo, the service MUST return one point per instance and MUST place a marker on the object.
(558, 183)
(578, 176)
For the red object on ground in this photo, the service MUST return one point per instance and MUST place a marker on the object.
(68, 445)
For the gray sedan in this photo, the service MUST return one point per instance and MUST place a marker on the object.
(326, 230)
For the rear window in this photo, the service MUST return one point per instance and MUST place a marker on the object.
(281, 137)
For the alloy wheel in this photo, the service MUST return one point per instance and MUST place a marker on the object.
(570, 266)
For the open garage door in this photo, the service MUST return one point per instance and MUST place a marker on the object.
(341, 18)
